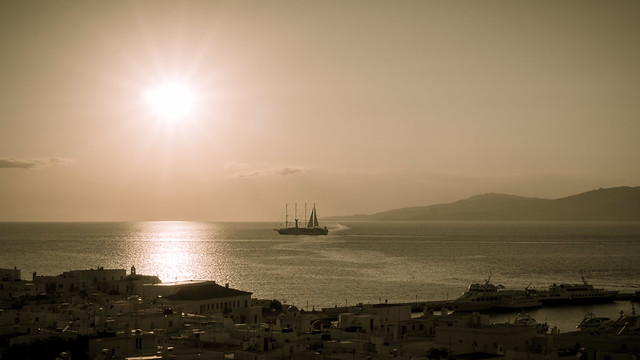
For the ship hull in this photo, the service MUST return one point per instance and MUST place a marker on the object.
(302, 231)
(590, 298)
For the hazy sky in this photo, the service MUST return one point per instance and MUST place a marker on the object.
(359, 106)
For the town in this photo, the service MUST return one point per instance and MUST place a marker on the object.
(108, 314)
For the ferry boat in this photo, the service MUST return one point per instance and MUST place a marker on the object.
(312, 227)
(486, 297)
(560, 294)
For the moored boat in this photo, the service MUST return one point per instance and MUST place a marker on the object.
(594, 323)
(625, 324)
(561, 294)
(519, 302)
(487, 297)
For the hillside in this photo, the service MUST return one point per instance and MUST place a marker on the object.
(612, 204)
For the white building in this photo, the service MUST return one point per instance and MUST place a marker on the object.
(474, 334)
(13, 287)
(207, 298)
(384, 320)
(130, 343)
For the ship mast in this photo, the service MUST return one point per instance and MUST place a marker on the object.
(286, 215)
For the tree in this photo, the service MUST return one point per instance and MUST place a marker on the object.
(276, 306)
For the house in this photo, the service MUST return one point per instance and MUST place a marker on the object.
(99, 280)
(386, 320)
(207, 297)
(473, 334)
(129, 343)
(12, 287)
(79, 281)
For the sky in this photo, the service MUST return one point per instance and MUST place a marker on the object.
(357, 106)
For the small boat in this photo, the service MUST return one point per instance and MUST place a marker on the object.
(524, 319)
(594, 323)
(516, 302)
(625, 324)
(312, 227)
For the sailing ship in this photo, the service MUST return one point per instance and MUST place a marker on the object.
(312, 227)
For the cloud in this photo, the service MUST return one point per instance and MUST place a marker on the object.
(247, 170)
(9, 163)
(288, 171)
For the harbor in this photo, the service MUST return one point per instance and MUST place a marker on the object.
(440, 305)
(495, 298)
(120, 315)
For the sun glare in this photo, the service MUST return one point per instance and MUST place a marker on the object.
(171, 101)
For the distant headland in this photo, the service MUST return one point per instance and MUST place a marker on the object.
(611, 204)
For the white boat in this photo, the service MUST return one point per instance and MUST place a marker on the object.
(312, 227)
(486, 296)
(519, 302)
(560, 294)
(524, 319)
(625, 324)
(594, 323)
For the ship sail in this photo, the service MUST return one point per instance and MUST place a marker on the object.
(313, 219)
(311, 223)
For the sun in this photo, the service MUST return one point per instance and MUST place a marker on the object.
(171, 100)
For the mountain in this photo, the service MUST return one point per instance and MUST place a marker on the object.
(612, 204)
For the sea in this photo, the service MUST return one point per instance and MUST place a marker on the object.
(358, 262)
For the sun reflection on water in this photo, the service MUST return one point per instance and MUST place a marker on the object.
(180, 250)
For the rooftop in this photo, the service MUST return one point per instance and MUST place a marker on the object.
(204, 290)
